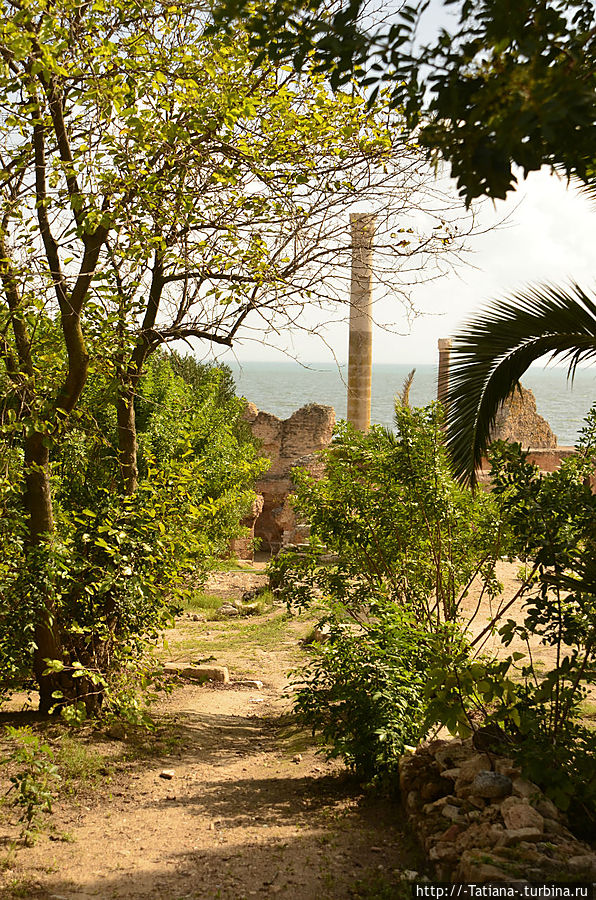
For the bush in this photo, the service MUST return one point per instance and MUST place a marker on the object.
(117, 564)
(552, 523)
(394, 543)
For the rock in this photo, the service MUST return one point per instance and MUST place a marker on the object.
(453, 812)
(168, 774)
(451, 833)
(518, 813)
(249, 683)
(584, 863)
(442, 852)
(473, 766)
(228, 610)
(491, 785)
(515, 835)
(524, 788)
(546, 808)
(506, 766)
(452, 774)
(480, 836)
(451, 755)
(297, 758)
(198, 673)
(552, 826)
(432, 790)
(474, 868)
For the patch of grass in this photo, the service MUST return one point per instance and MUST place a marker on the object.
(77, 762)
(380, 888)
(199, 601)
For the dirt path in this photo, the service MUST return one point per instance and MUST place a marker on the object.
(251, 809)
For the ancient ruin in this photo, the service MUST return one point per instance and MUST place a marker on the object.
(518, 420)
(288, 443)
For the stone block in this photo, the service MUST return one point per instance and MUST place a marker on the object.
(198, 673)
(518, 813)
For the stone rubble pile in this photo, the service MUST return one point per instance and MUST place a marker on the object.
(480, 821)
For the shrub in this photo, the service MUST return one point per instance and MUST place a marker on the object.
(394, 544)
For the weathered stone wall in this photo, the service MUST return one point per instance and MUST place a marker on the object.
(518, 420)
(480, 821)
(288, 443)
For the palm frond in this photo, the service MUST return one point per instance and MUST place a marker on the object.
(494, 350)
(403, 397)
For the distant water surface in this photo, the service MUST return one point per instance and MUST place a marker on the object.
(282, 388)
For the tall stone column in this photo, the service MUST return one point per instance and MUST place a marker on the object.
(360, 346)
(445, 345)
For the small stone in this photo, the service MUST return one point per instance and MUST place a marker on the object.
(451, 833)
(552, 826)
(584, 863)
(442, 851)
(409, 875)
(519, 814)
(546, 808)
(491, 785)
(453, 774)
(249, 683)
(432, 790)
(453, 812)
(228, 610)
(168, 774)
(472, 767)
(524, 788)
(515, 835)
(297, 758)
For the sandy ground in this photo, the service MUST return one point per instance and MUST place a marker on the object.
(251, 810)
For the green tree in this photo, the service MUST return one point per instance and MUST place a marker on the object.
(507, 85)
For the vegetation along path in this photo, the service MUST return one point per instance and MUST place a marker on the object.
(251, 810)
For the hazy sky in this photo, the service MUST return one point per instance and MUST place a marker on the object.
(550, 236)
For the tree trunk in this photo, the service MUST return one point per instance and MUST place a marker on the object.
(38, 503)
(127, 440)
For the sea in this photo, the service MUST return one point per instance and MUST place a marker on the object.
(283, 387)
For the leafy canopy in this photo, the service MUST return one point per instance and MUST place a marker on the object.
(511, 84)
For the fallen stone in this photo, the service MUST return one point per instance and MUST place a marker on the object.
(433, 790)
(524, 788)
(453, 812)
(472, 767)
(516, 835)
(491, 785)
(249, 683)
(198, 673)
(442, 851)
(546, 808)
(479, 836)
(228, 610)
(584, 863)
(552, 826)
(451, 833)
(168, 774)
(518, 813)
